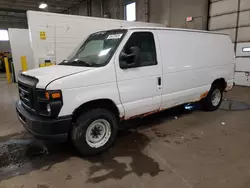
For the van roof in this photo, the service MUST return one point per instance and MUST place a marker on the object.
(173, 29)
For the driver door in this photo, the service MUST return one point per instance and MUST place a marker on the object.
(140, 86)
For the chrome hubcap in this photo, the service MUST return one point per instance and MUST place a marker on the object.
(98, 133)
(216, 97)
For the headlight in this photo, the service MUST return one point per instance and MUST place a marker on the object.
(49, 103)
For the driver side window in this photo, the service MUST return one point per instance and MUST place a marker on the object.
(146, 44)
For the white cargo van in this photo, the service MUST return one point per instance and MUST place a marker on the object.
(117, 75)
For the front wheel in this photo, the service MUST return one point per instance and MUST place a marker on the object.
(94, 131)
(214, 98)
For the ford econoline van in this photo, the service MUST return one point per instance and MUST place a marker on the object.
(121, 74)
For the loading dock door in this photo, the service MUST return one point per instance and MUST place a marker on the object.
(242, 74)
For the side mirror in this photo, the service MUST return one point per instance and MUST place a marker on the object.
(124, 65)
(130, 60)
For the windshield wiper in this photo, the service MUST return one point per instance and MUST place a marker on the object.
(77, 63)
(64, 62)
(80, 62)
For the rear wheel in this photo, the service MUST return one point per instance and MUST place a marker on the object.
(94, 131)
(214, 98)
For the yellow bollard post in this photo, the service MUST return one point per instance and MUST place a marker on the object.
(7, 69)
(24, 63)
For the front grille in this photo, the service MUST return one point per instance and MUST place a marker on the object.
(27, 91)
(26, 95)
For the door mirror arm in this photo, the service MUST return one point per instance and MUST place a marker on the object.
(125, 65)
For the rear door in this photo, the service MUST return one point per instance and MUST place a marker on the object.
(140, 86)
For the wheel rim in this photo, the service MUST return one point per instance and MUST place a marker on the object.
(98, 133)
(216, 97)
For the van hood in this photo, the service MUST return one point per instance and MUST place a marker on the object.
(47, 75)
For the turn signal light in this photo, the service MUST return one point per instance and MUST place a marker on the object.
(47, 95)
(53, 95)
(56, 95)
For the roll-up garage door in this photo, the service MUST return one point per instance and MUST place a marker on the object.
(233, 17)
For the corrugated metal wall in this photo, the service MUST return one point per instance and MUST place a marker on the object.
(233, 17)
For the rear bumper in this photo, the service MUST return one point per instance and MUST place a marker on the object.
(44, 128)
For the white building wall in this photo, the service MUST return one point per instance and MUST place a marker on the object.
(20, 46)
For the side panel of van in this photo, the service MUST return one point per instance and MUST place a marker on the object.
(191, 62)
(140, 86)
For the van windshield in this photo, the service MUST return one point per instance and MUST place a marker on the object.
(96, 50)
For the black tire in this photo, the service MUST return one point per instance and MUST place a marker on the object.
(207, 103)
(78, 133)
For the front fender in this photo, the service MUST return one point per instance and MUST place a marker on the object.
(73, 98)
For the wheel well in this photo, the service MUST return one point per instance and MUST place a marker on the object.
(221, 82)
(99, 103)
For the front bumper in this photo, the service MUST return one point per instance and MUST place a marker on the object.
(44, 128)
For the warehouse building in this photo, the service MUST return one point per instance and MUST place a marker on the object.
(193, 135)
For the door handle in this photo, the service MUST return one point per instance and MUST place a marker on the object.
(159, 81)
